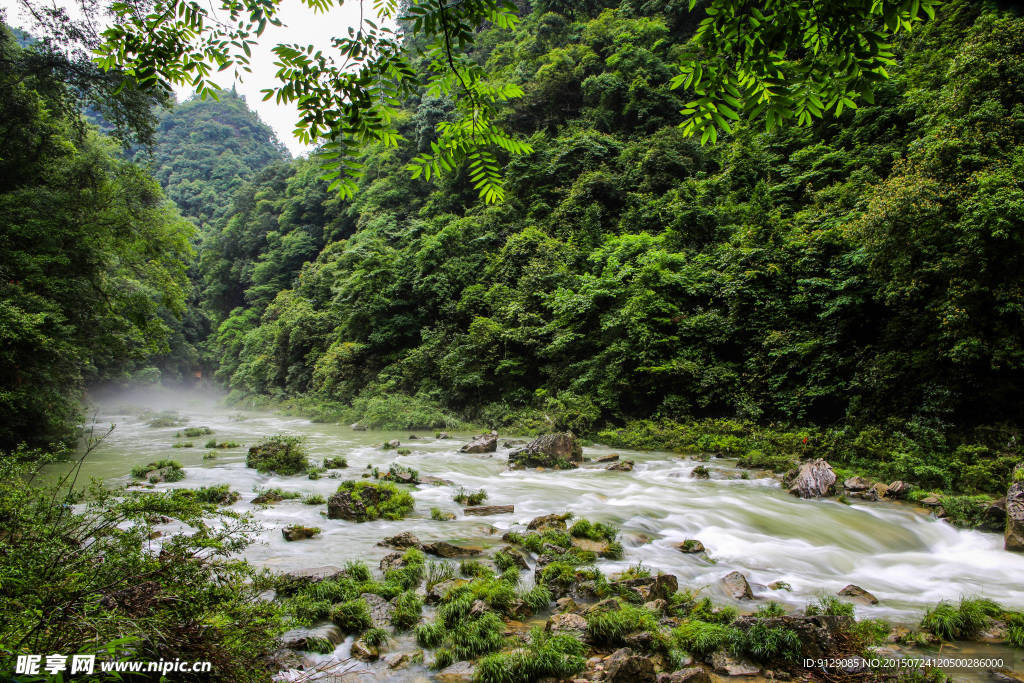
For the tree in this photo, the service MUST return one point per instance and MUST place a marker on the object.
(786, 59)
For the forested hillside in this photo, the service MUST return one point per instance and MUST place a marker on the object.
(864, 271)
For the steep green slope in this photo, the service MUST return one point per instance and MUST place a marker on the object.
(862, 272)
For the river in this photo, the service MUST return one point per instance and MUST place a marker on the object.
(897, 551)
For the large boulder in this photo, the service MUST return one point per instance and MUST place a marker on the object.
(569, 624)
(553, 451)
(1014, 534)
(485, 443)
(813, 480)
(625, 667)
(737, 587)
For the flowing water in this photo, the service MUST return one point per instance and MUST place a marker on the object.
(906, 558)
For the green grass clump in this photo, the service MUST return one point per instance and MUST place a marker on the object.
(376, 637)
(474, 569)
(595, 531)
(358, 570)
(704, 610)
(505, 561)
(276, 492)
(383, 500)
(963, 621)
(612, 627)
(464, 497)
(438, 515)
(1015, 629)
(457, 635)
(314, 499)
(438, 572)
(212, 443)
(411, 574)
(280, 453)
(166, 421)
(182, 444)
(829, 605)
(352, 616)
(321, 646)
(193, 432)
(701, 638)
(403, 451)
(635, 571)
(212, 455)
(216, 495)
(547, 656)
(537, 598)
(771, 609)
(335, 463)
(140, 471)
(765, 643)
(406, 611)
(871, 631)
(394, 470)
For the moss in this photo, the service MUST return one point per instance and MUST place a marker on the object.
(381, 500)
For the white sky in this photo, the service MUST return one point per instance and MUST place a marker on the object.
(302, 26)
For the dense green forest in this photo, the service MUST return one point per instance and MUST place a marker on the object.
(858, 280)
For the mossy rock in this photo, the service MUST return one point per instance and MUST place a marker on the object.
(280, 453)
(364, 501)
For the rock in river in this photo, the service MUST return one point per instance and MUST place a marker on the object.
(859, 594)
(485, 443)
(553, 451)
(484, 510)
(813, 480)
(736, 585)
(403, 540)
(443, 549)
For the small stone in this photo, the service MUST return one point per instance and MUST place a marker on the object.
(897, 489)
(358, 427)
(690, 546)
(780, 586)
(485, 443)
(564, 605)
(656, 606)
(314, 574)
(931, 501)
(691, 675)
(624, 466)
(856, 484)
(880, 490)
(297, 532)
(443, 435)
(607, 458)
(625, 667)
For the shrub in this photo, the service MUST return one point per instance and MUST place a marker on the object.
(474, 569)
(182, 444)
(221, 494)
(193, 432)
(280, 453)
(335, 463)
(61, 559)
